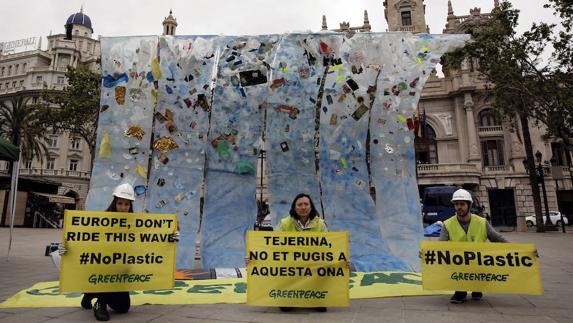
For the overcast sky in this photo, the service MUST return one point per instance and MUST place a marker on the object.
(27, 18)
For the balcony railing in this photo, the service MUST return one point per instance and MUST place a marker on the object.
(51, 172)
(432, 169)
(407, 28)
(491, 130)
(496, 169)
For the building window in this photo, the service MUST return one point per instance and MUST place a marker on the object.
(24, 66)
(427, 148)
(50, 163)
(16, 69)
(406, 18)
(492, 151)
(35, 100)
(9, 70)
(39, 79)
(64, 61)
(3, 70)
(14, 84)
(22, 83)
(27, 164)
(53, 142)
(488, 118)
(559, 157)
(61, 80)
(75, 143)
(73, 164)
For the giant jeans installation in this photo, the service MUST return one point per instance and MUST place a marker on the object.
(186, 112)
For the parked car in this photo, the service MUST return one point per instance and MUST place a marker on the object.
(554, 216)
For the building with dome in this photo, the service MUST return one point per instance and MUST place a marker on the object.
(61, 180)
(66, 170)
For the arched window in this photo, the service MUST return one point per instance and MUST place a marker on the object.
(427, 147)
(488, 118)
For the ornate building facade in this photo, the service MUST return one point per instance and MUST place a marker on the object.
(466, 144)
(30, 72)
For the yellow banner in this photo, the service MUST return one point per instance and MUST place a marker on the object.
(484, 267)
(217, 291)
(298, 269)
(109, 252)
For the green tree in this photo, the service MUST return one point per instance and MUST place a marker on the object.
(75, 109)
(561, 125)
(24, 125)
(524, 86)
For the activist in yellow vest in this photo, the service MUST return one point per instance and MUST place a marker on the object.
(289, 223)
(476, 232)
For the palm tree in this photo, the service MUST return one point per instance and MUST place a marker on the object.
(23, 125)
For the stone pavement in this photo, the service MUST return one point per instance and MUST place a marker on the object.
(28, 265)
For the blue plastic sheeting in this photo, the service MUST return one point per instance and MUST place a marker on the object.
(182, 115)
(125, 104)
(236, 127)
(290, 133)
(346, 99)
(434, 229)
(406, 64)
(344, 120)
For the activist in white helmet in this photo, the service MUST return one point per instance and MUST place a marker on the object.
(123, 197)
(467, 227)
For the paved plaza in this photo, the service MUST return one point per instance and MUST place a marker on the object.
(27, 265)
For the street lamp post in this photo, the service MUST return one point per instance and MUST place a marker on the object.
(548, 225)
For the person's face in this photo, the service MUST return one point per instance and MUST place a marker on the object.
(462, 208)
(302, 207)
(122, 205)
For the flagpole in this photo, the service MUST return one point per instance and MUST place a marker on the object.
(14, 189)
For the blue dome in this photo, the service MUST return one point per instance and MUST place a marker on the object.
(80, 19)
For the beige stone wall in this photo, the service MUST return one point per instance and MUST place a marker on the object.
(393, 9)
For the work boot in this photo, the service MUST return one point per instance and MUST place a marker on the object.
(320, 309)
(100, 312)
(476, 296)
(458, 297)
(87, 301)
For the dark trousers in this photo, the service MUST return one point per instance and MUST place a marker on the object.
(117, 301)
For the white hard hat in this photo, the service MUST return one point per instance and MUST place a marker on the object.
(124, 191)
(462, 195)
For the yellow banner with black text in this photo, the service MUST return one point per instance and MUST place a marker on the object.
(485, 267)
(109, 251)
(298, 269)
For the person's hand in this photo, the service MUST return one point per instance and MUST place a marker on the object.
(62, 249)
(420, 254)
(536, 253)
(247, 259)
(175, 236)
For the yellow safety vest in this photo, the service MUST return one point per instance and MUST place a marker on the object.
(476, 232)
(289, 223)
